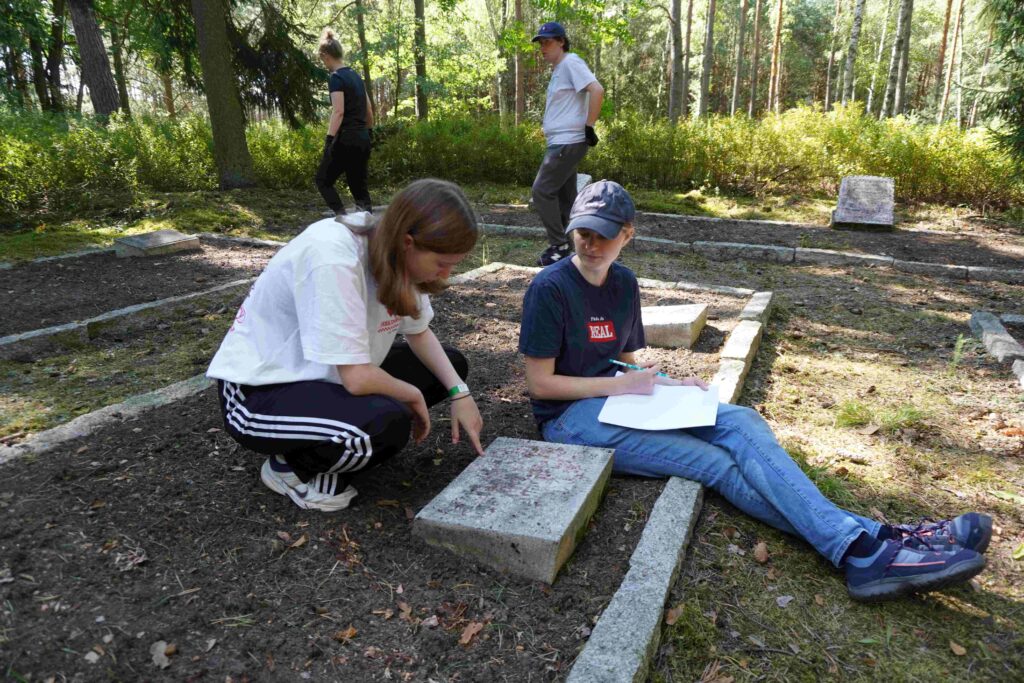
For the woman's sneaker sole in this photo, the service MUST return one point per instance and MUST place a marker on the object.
(304, 496)
(894, 587)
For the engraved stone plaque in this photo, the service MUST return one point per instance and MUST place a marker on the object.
(865, 203)
(155, 243)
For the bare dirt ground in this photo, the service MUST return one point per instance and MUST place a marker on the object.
(977, 243)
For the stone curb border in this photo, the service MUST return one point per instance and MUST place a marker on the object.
(34, 341)
(7, 265)
(723, 251)
(83, 425)
(998, 342)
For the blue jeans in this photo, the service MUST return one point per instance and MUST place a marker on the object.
(738, 457)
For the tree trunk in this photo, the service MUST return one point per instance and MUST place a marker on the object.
(708, 62)
(79, 96)
(230, 151)
(754, 66)
(168, 93)
(39, 73)
(960, 72)
(832, 55)
(95, 67)
(952, 60)
(55, 55)
(363, 53)
(940, 63)
(17, 71)
(420, 58)
(520, 75)
(895, 59)
(773, 76)
(981, 82)
(684, 104)
(900, 104)
(851, 51)
(739, 58)
(119, 78)
(675, 79)
(878, 59)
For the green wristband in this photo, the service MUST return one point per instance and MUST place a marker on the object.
(458, 389)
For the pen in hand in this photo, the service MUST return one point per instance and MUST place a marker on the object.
(634, 367)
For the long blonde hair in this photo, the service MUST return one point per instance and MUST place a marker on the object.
(438, 218)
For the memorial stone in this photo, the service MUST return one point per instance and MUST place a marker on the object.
(521, 508)
(155, 243)
(865, 203)
(673, 327)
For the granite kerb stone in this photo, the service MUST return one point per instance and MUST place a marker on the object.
(729, 379)
(84, 425)
(831, 257)
(721, 251)
(241, 241)
(1018, 370)
(626, 636)
(997, 340)
(743, 341)
(986, 274)
(759, 307)
(939, 269)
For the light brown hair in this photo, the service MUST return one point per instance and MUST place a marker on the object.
(329, 45)
(438, 218)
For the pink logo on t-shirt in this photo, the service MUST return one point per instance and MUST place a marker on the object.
(239, 318)
(603, 331)
(390, 325)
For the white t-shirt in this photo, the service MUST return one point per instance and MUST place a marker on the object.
(565, 113)
(314, 307)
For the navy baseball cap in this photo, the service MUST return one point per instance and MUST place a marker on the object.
(552, 29)
(603, 207)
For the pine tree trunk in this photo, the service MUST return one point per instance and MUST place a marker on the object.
(773, 76)
(708, 62)
(981, 81)
(832, 55)
(55, 55)
(119, 77)
(230, 151)
(952, 60)
(168, 93)
(684, 104)
(739, 58)
(895, 59)
(420, 58)
(520, 75)
(754, 66)
(675, 80)
(39, 73)
(95, 66)
(940, 63)
(878, 59)
(17, 74)
(900, 104)
(851, 51)
(363, 52)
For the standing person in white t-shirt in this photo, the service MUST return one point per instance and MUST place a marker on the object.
(570, 112)
(310, 373)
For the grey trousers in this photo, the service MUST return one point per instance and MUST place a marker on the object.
(554, 188)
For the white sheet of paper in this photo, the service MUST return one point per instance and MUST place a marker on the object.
(666, 408)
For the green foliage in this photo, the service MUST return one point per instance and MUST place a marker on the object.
(853, 414)
(1008, 31)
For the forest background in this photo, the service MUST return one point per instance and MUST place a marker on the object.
(106, 100)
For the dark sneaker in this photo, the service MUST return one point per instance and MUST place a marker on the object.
(897, 570)
(554, 254)
(972, 531)
(325, 492)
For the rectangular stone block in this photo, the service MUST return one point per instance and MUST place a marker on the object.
(743, 341)
(729, 379)
(155, 243)
(829, 257)
(521, 508)
(673, 327)
(940, 269)
(865, 203)
(994, 336)
(1012, 319)
(984, 274)
(759, 307)
(723, 251)
(1018, 370)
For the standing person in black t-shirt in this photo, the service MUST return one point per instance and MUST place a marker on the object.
(347, 148)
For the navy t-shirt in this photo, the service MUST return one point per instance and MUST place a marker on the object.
(581, 326)
(347, 81)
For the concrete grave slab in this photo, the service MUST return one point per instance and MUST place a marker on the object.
(673, 326)
(994, 336)
(520, 508)
(865, 203)
(156, 243)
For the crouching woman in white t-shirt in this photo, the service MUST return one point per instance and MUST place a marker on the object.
(310, 373)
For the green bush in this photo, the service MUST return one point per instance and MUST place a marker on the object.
(50, 164)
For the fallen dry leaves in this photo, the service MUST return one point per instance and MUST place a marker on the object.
(958, 649)
(468, 633)
(345, 635)
(761, 552)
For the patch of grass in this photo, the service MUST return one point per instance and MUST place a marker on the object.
(906, 416)
(853, 414)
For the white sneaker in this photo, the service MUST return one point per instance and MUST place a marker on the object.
(317, 494)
